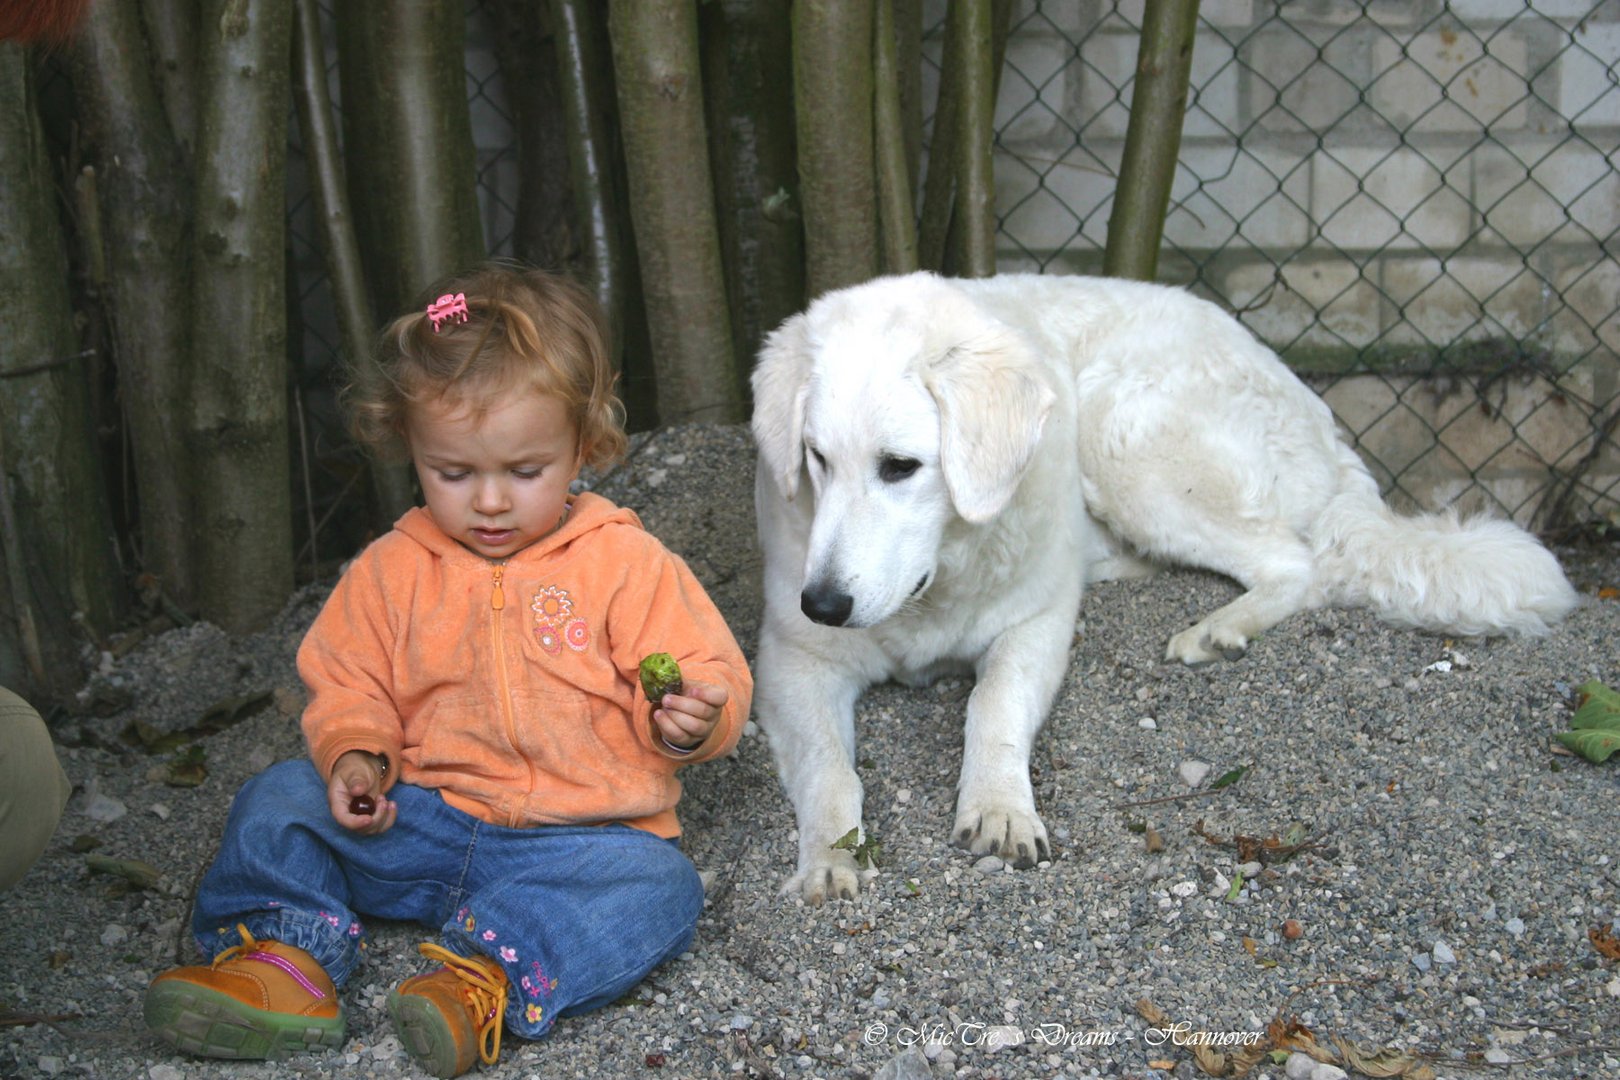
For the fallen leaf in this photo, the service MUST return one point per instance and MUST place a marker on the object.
(1595, 727)
(1604, 941)
(1228, 778)
(1608, 592)
(139, 874)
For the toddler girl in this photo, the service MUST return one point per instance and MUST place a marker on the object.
(482, 757)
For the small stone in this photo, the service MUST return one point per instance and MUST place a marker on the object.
(1292, 929)
(1147, 723)
(161, 810)
(1250, 870)
(50, 1065)
(113, 934)
(1421, 961)
(741, 1022)
(1443, 954)
(101, 808)
(1324, 1071)
(1514, 926)
(1192, 773)
(164, 1071)
(908, 1064)
(1299, 1066)
(1184, 889)
(1498, 1056)
(1613, 989)
(989, 864)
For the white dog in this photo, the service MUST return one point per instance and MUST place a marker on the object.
(976, 450)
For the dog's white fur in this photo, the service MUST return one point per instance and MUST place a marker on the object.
(975, 451)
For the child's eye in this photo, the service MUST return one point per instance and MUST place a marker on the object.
(525, 474)
(451, 477)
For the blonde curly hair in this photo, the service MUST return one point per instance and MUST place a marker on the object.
(525, 330)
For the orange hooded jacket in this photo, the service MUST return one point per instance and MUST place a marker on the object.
(512, 687)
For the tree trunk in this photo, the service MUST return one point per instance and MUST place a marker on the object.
(975, 179)
(59, 555)
(357, 322)
(747, 52)
(908, 33)
(897, 210)
(655, 63)
(408, 144)
(545, 233)
(1153, 139)
(601, 198)
(832, 92)
(238, 423)
(145, 200)
(171, 32)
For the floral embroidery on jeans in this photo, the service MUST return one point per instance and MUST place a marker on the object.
(489, 935)
(533, 1013)
(535, 983)
(508, 954)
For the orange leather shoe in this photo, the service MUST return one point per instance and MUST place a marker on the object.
(451, 1016)
(257, 1000)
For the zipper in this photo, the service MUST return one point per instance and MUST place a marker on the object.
(497, 603)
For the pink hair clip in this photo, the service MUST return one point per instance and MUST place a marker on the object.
(447, 307)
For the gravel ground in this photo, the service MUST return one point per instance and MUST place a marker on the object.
(1453, 868)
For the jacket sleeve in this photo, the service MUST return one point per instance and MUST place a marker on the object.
(346, 663)
(663, 608)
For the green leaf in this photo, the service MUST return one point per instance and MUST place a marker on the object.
(1228, 778)
(1593, 744)
(848, 841)
(1600, 707)
(1595, 733)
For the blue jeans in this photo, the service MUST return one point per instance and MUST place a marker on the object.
(575, 915)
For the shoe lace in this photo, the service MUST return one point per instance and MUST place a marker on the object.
(485, 987)
(247, 945)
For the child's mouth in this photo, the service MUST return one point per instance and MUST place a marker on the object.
(493, 537)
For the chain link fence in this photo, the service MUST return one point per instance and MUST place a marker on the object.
(1415, 203)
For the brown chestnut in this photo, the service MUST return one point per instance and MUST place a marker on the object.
(361, 805)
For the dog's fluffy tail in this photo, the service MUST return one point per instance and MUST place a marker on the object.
(1436, 572)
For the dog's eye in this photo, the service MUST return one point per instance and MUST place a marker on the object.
(893, 469)
(815, 455)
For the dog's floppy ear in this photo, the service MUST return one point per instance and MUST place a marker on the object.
(781, 384)
(993, 401)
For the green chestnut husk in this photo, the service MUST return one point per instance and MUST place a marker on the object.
(660, 675)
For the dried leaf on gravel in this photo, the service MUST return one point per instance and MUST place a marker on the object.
(1263, 850)
(1604, 941)
(1288, 1034)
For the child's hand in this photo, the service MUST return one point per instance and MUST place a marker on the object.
(685, 719)
(360, 773)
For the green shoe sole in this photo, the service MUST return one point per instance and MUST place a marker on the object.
(208, 1023)
(426, 1034)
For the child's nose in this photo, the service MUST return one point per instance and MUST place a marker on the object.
(490, 497)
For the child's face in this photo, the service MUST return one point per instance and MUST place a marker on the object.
(499, 482)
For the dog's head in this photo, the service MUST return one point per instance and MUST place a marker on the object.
(907, 406)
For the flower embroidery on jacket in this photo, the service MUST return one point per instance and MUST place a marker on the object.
(578, 635)
(555, 623)
(551, 605)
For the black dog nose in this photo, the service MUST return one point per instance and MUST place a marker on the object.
(826, 606)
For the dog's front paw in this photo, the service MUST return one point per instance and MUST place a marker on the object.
(831, 876)
(1202, 644)
(1017, 836)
